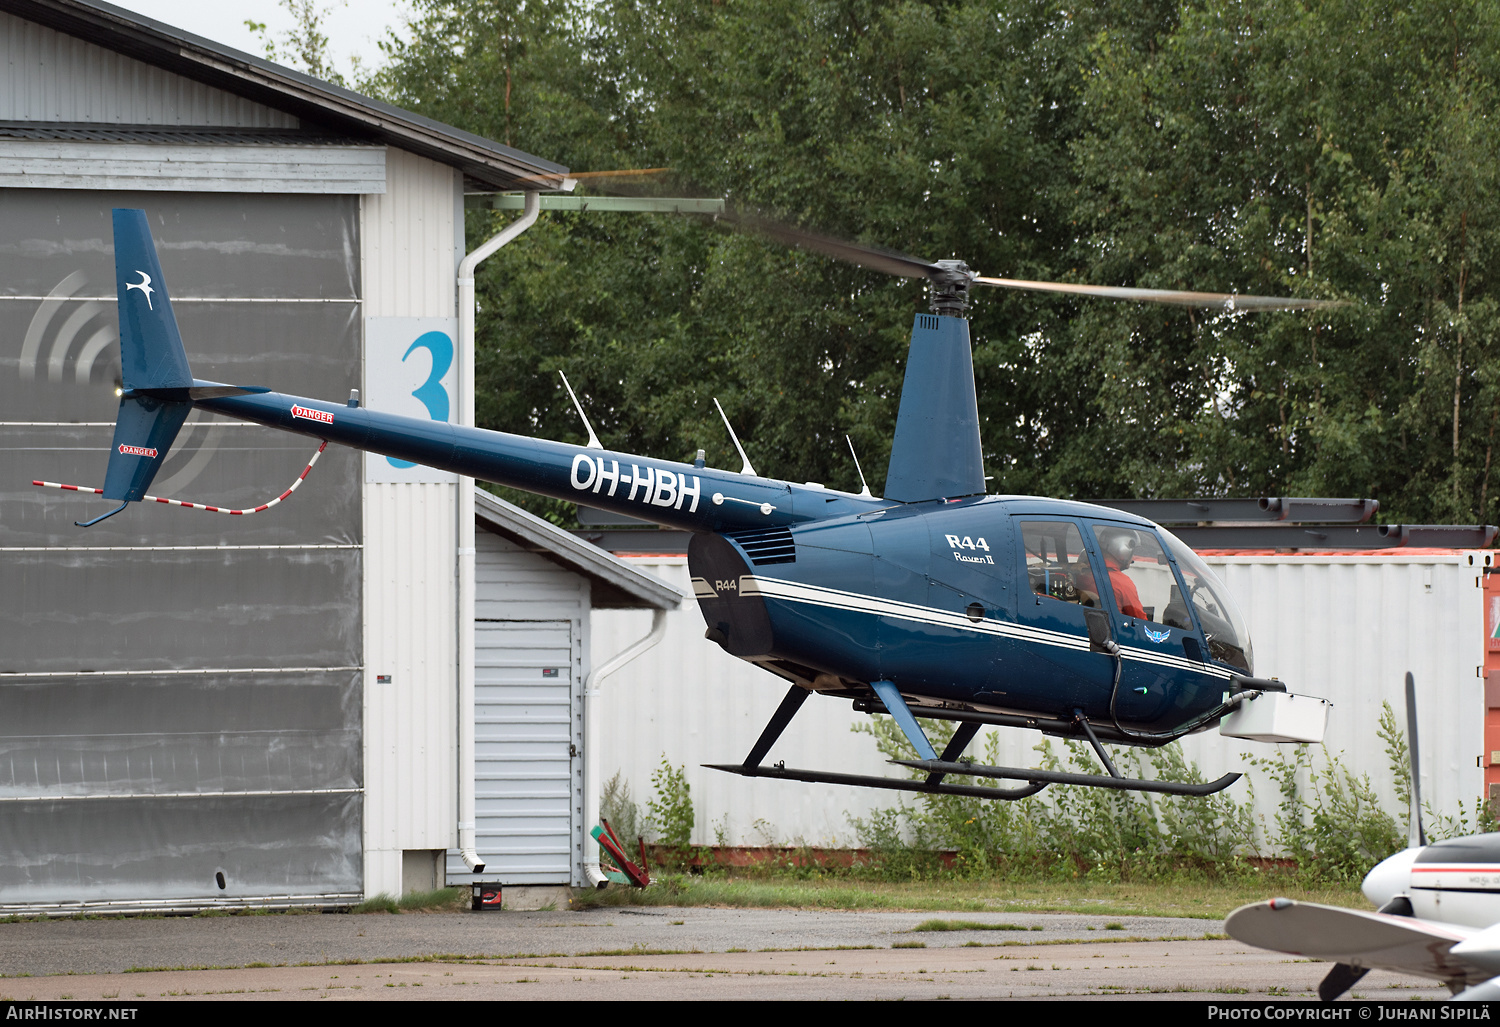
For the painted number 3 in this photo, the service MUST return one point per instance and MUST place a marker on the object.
(431, 392)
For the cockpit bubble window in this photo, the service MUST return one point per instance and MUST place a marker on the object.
(1057, 563)
(1141, 576)
(1224, 627)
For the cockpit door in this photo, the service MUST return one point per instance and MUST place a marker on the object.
(1059, 594)
(1160, 645)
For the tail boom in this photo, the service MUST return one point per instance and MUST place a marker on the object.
(665, 492)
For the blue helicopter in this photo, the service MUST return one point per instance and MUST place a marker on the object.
(935, 601)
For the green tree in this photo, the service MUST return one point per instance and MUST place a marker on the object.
(1335, 149)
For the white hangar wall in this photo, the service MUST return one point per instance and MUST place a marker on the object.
(411, 242)
(1349, 628)
(531, 651)
(259, 710)
(1346, 628)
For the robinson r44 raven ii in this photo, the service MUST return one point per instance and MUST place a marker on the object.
(936, 600)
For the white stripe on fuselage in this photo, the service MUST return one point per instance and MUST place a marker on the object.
(836, 599)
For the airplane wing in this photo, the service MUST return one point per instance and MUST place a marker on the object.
(1362, 941)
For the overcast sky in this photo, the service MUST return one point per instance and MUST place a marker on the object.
(352, 26)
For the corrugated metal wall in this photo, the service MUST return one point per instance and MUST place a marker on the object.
(409, 238)
(180, 694)
(1344, 628)
(1348, 628)
(48, 76)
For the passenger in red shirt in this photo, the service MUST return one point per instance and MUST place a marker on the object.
(1119, 545)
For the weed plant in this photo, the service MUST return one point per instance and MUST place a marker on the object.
(668, 818)
(1063, 833)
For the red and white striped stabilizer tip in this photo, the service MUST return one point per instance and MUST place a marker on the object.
(201, 506)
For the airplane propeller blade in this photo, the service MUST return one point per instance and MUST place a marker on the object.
(1417, 836)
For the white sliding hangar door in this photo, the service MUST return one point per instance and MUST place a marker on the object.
(529, 642)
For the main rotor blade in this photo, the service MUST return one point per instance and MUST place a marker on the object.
(900, 264)
(888, 261)
(1174, 297)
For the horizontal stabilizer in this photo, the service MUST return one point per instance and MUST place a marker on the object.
(144, 433)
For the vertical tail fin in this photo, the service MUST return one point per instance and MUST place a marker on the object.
(151, 353)
(153, 361)
(936, 452)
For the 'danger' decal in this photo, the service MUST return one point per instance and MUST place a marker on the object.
(312, 415)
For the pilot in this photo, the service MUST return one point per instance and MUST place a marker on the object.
(1119, 545)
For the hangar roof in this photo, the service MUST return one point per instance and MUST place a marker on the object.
(318, 104)
(616, 584)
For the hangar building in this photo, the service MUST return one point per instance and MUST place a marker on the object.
(203, 710)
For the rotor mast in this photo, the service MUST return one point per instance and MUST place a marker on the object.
(949, 292)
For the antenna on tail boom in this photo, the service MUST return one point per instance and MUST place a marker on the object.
(864, 488)
(747, 469)
(593, 439)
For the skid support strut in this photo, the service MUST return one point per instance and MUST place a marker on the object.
(793, 701)
(779, 720)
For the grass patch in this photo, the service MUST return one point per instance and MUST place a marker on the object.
(443, 900)
(641, 950)
(381, 903)
(1178, 896)
(969, 925)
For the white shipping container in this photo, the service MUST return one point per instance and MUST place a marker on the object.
(1345, 628)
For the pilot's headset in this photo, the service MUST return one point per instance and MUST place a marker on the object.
(1120, 545)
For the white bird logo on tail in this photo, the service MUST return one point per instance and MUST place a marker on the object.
(144, 285)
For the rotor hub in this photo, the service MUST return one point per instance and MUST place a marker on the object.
(950, 282)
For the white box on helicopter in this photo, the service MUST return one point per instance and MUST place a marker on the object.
(1278, 717)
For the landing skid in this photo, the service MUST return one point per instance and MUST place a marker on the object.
(1127, 784)
(890, 783)
(939, 767)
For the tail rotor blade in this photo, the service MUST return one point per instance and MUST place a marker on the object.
(1417, 836)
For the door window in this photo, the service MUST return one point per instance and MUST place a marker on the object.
(1056, 562)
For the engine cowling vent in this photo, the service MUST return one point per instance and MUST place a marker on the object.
(767, 545)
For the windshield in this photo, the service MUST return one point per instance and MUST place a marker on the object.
(1223, 625)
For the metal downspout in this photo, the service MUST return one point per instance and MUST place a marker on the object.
(465, 547)
(591, 729)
